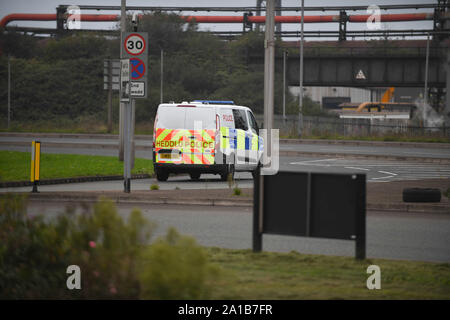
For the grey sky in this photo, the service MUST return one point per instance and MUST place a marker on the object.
(49, 6)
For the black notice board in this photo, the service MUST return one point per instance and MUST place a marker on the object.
(333, 206)
(285, 199)
(313, 204)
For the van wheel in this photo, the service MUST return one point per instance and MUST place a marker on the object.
(421, 195)
(195, 176)
(228, 173)
(162, 175)
(255, 172)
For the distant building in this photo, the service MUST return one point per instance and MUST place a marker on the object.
(407, 94)
(326, 96)
(318, 93)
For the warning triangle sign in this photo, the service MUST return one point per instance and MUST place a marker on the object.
(360, 75)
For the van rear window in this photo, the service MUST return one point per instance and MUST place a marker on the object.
(186, 118)
(171, 118)
(200, 118)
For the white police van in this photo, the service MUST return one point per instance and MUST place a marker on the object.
(205, 136)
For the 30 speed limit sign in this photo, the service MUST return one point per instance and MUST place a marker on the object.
(134, 44)
(134, 48)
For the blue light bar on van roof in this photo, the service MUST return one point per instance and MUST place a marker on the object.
(215, 101)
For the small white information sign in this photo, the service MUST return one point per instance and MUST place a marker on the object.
(137, 89)
(125, 80)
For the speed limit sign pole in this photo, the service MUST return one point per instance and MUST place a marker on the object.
(134, 48)
(123, 29)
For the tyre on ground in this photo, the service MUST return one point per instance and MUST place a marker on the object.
(228, 172)
(162, 175)
(195, 175)
(421, 195)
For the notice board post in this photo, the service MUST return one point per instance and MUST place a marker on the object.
(360, 223)
(257, 232)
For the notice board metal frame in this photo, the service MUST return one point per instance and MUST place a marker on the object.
(309, 204)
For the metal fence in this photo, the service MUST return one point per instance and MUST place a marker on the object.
(329, 126)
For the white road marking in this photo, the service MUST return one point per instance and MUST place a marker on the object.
(310, 162)
(356, 168)
(344, 150)
(390, 173)
(317, 160)
(403, 170)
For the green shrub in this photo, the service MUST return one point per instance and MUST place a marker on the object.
(176, 268)
(237, 191)
(114, 257)
(35, 254)
(154, 187)
(107, 249)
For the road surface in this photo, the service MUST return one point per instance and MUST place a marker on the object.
(423, 237)
(421, 152)
(375, 170)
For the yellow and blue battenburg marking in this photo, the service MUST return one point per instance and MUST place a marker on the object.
(236, 139)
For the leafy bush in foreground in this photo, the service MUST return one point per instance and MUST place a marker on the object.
(113, 256)
(175, 267)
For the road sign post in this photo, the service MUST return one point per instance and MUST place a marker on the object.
(134, 50)
(135, 46)
(110, 90)
(123, 29)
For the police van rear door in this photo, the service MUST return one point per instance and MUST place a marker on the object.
(200, 123)
(169, 120)
(185, 134)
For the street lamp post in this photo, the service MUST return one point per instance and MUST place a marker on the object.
(9, 91)
(300, 98)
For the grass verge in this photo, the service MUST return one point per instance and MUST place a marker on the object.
(15, 166)
(270, 275)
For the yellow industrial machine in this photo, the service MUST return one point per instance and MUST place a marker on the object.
(384, 108)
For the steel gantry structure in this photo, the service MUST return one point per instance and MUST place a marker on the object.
(440, 17)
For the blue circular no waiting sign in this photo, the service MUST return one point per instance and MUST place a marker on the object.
(137, 68)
